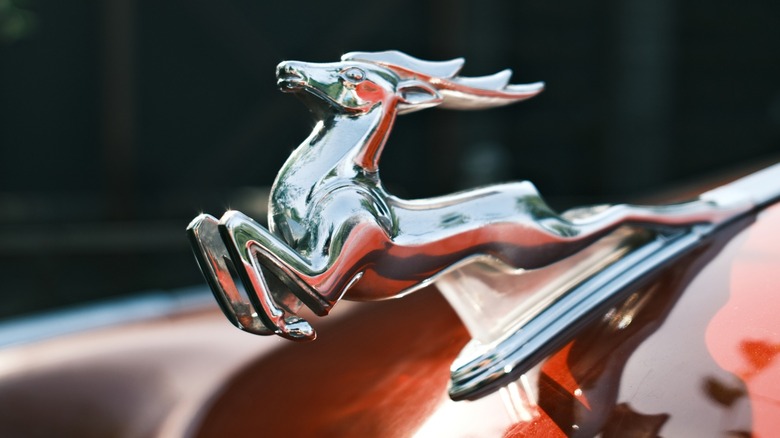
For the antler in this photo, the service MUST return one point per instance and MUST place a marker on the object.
(457, 92)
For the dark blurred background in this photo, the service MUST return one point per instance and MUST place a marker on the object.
(121, 120)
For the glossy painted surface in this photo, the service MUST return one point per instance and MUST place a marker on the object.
(744, 336)
(382, 372)
(133, 380)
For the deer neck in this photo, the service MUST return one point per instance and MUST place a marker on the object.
(339, 147)
(332, 156)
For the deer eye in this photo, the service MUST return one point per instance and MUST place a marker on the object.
(354, 75)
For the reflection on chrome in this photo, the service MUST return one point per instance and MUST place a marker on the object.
(521, 397)
(621, 317)
(334, 232)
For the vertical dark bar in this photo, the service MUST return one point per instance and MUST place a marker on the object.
(640, 141)
(118, 105)
(444, 39)
(484, 159)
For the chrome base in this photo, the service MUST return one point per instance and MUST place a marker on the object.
(483, 368)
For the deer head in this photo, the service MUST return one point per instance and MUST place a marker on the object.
(398, 81)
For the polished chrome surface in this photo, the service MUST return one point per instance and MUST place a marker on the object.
(334, 232)
(493, 302)
(758, 189)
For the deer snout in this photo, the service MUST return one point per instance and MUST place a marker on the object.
(289, 74)
(290, 68)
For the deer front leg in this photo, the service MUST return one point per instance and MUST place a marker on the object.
(222, 258)
(220, 272)
(254, 245)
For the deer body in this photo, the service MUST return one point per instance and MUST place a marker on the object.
(323, 162)
(330, 186)
(333, 229)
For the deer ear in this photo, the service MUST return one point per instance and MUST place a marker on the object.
(414, 95)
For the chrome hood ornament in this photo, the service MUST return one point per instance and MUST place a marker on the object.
(334, 232)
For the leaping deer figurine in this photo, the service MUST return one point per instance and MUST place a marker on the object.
(333, 230)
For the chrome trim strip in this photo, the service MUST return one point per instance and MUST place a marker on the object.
(493, 366)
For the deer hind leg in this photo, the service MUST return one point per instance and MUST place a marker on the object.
(674, 215)
(585, 225)
(575, 230)
(220, 273)
(513, 223)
